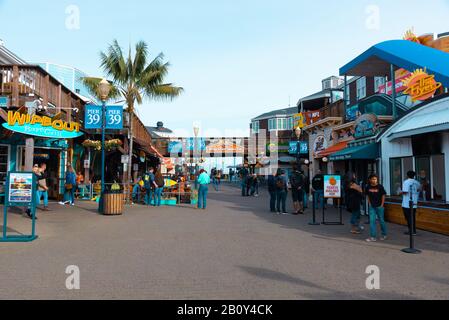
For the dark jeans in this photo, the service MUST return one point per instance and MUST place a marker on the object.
(408, 217)
(281, 199)
(148, 196)
(272, 201)
(244, 192)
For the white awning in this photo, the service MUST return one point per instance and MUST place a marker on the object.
(427, 118)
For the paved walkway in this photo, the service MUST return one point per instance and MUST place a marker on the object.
(234, 250)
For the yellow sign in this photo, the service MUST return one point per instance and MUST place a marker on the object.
(299, 121)
(420, 85)
(16, 118)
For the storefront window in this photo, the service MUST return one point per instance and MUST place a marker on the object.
(3, 165)
(424, 177)
(430, 171)
(396, 176)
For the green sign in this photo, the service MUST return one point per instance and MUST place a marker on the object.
(40, 131)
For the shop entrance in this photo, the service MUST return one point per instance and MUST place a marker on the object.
(52, 158)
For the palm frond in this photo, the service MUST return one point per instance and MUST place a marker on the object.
(165, 91)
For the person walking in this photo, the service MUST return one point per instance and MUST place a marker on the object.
(148, 180)
(411, 189)
(159, 183)
(353, 199)
(69, 187)
(37, 175)
(42, 188)
(297, 183)
(203, 182)
(318, 190)
(375, 193)
(281, 192)
(272, 191)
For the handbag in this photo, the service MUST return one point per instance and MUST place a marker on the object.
(68, 186)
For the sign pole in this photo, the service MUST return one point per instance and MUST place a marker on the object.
(314, 223)
(411, 249)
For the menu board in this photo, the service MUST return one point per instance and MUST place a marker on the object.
(20, 188)
(332, 187)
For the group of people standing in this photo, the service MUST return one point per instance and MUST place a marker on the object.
(279, 185)
(153, 185)
(249, 182)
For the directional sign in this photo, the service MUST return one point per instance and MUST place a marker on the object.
(114, 117)
(93, 117)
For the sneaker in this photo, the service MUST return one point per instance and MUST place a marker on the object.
(383, 238)
(371, 240)
(61, 203)
(72, 204)
(285, 213)
(362, 228)
(355, 232)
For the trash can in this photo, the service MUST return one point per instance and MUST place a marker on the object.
(113, 203)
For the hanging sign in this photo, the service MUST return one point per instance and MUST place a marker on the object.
(303, 147)
(299, 121)
(332, 187)
(93, 117)
(46, 127)
(420, 85)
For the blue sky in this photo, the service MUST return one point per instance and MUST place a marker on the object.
(235, 59)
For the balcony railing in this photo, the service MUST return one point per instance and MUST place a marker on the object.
(336, 109)
(25, 84)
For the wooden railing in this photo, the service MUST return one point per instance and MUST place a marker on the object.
(27, 83)
(336, 109)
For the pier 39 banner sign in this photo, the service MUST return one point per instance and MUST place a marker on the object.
(41, 126)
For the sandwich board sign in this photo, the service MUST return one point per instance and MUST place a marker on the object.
(20, 192)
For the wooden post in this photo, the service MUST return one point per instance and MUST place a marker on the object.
(15, 86)
(29, 154)
(45, 92)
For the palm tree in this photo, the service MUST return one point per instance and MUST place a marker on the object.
(134, 79)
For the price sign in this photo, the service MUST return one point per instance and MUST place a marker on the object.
(92, 119)
(114, 117)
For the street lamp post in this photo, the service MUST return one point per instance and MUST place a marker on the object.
(196, 131)
(104, 88)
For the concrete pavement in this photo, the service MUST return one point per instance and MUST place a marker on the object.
(234, 250)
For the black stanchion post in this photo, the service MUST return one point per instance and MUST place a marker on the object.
(411, 249)
(314, 223)
(341, 211)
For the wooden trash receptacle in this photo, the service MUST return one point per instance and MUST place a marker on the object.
(113, 204)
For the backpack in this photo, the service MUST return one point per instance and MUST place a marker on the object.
(160, 181)
(280, 183)
(146, 181)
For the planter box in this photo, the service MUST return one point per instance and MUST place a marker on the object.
(170, 202)
(426, 218)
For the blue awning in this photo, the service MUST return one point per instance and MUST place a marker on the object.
(363, 152)
(404, 54)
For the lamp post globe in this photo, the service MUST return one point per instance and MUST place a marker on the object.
(104, 88)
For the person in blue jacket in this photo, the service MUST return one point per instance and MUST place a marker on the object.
(70, 186)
